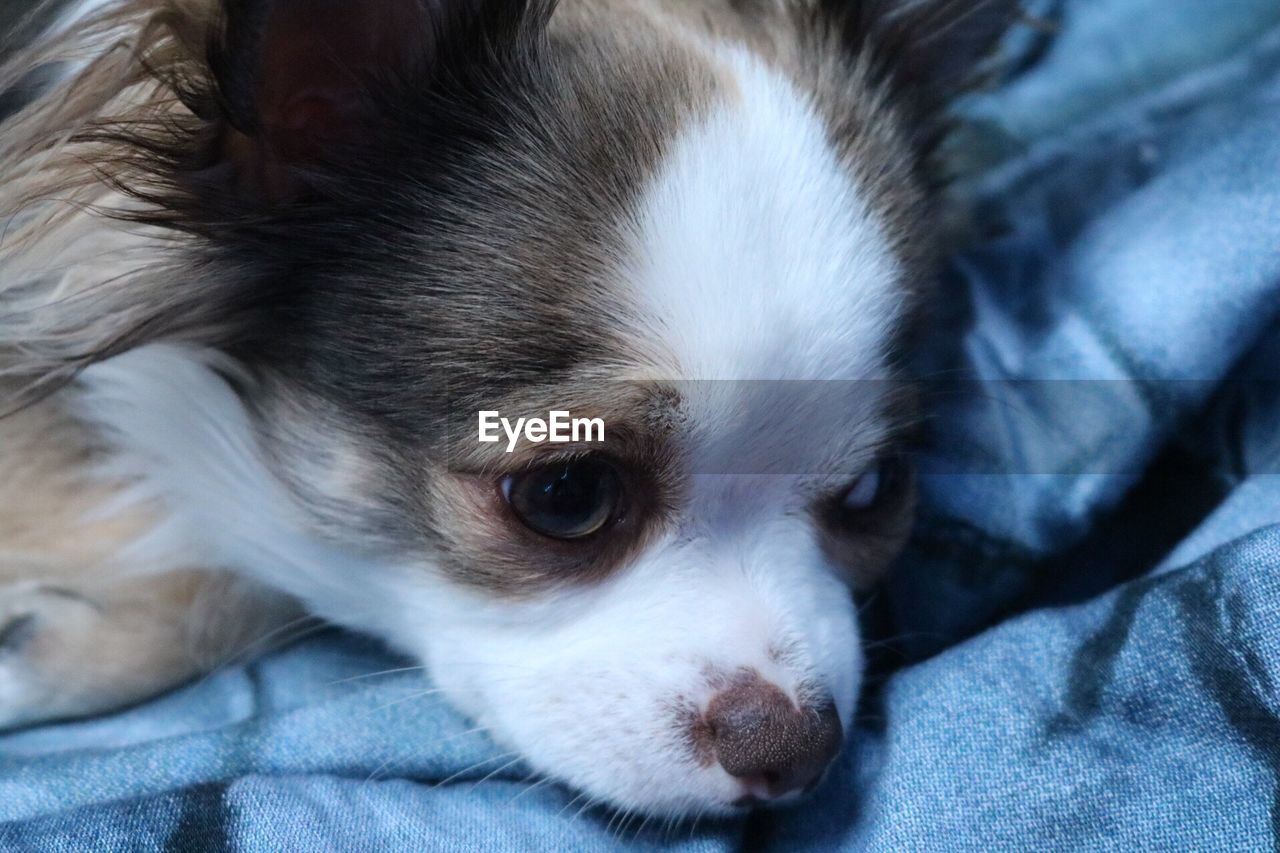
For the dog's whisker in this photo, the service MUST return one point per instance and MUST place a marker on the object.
(693, 828)
(417, 694)
(673, 823)
(571, 803)
(518, 758)
(619, 818)
(433, 691)
(399, 757)
(479, 764)
(640, 831)
(590, 804)
(375, 774)
(378, 674)
(898, 638)
(246, 654)
(632, 816)
(545, 780)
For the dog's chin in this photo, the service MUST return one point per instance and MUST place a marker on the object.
(624, 740)
(599, 774)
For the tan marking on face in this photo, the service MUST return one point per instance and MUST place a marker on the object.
(866, 551)
(484, 544)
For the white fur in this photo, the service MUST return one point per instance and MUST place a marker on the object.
(755, 259)
(185, 439)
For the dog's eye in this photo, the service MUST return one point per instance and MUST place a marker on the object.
(873, 486)
(864, 492)
(567, 500)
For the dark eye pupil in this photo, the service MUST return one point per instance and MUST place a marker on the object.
(566, 501)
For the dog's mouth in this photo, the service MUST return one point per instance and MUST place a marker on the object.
(747, 742)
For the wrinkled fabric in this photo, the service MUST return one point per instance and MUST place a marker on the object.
(1081, 647)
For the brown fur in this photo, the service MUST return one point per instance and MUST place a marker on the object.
(99, 643)
(79, 631)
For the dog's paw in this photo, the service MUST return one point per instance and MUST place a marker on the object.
(66, 654)
(42, 630)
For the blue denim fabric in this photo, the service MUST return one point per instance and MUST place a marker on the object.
(1085, 631)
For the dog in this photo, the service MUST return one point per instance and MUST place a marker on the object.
(266, 261)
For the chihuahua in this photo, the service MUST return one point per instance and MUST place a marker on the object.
(265, 262)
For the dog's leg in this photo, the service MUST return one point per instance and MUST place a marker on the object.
(68, 652)
(80, 633)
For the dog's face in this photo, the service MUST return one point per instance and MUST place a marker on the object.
(711, 245)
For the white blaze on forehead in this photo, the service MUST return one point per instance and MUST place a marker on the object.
(757, 256)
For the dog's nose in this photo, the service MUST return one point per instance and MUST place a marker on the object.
(762, 738)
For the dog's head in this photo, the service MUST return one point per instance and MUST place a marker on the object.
(704, 224)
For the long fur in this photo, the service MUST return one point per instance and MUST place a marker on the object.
(605, 209)
(79, 274)
(87, 170)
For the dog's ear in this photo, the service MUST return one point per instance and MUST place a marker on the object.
(923, 53)
(304, 81)
(928, 50)
(936, 46)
